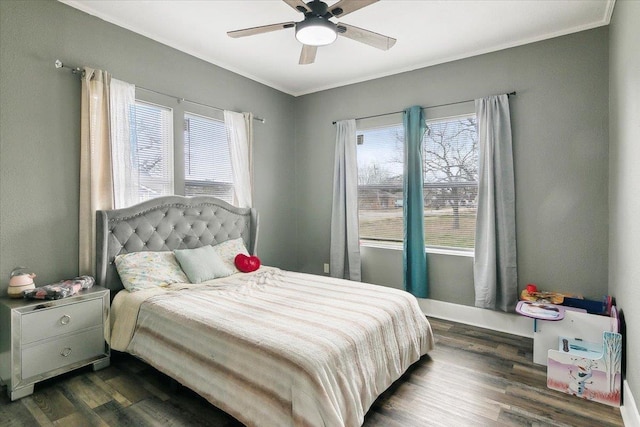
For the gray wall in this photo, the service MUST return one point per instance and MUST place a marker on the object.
(40, 130)
(624, 198)
(560, 132)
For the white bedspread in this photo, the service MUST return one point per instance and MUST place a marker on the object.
(277, 348)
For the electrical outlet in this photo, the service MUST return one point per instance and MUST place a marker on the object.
(326, 268)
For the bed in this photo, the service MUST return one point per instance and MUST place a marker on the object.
(269, 347)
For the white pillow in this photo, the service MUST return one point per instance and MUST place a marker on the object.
(228, 251)
(201, 264)
(144, 270)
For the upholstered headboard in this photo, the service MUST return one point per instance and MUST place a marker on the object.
(165, 224)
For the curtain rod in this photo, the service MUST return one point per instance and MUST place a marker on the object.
(431, 106)
(79, 71)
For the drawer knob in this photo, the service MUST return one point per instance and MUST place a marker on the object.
(65, 352)
(65, 319)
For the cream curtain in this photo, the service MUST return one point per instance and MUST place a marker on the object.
(122, 98)
(239, 127)
(96, 188)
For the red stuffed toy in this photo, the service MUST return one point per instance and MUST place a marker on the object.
(246, 263)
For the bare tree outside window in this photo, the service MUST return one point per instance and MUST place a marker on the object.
(451, 159)
(450, 156)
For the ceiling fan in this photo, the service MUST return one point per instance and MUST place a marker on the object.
(316, 29)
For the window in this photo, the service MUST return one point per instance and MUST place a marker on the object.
(207, 159)
(450, 156)
(153, 131)
(152, 145)
(380, 167)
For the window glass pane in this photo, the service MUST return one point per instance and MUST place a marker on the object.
(152, 146)
(450, 182)
(207, 160)
(380, 168)
(450, 155)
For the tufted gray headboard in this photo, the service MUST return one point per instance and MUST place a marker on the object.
(165, 224)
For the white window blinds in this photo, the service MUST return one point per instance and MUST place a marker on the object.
(207, 160)
(152, 146)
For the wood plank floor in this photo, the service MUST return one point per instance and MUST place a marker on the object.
(474, 377)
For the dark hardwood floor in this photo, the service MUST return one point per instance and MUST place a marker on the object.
(474, 377)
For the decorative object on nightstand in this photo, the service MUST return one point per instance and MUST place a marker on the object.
(40, 339)
(62, 289)
(20, 281)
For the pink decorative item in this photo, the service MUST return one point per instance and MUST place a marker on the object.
(20, 282)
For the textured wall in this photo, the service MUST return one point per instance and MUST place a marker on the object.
(40, 130)
(624, 201)
(560, 131)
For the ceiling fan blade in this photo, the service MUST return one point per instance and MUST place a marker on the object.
(365, 36)
(259, 30)
(308, 54)
(344, 7)
(298, 5)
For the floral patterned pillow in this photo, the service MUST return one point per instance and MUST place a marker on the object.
(144, 270)
(228, 251)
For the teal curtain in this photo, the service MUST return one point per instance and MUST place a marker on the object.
(415, 260)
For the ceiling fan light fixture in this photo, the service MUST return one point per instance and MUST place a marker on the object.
(316, 31)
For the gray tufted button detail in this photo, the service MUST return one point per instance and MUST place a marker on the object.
(177, 224)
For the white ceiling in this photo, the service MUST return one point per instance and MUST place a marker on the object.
(429, 32)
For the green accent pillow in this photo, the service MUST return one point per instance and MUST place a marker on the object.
(201, 264)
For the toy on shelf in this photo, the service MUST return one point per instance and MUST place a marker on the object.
(531, 293)
(592, 306)
(540, 310)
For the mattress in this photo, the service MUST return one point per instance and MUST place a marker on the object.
(277, 348)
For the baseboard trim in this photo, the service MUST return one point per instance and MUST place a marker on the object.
(629, 410)
(489, 319)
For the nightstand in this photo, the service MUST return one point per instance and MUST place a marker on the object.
(40, 339)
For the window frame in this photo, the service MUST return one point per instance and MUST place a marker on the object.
(179, 109)
(439, 113)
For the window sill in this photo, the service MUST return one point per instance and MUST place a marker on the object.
(429, 250)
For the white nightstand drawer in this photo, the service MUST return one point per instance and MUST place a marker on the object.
(62, 351)
(49, 322)
(40, 339)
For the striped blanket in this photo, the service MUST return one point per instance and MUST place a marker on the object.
(277, 348)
